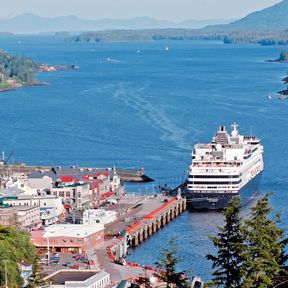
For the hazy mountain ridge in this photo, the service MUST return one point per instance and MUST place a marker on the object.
(30, 23)
(273, 18)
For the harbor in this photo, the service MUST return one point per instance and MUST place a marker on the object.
(134, 123)
(81, 218)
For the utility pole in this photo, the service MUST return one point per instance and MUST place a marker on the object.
(6, 278)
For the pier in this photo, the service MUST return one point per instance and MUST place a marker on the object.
(153, 221)
(144, 216)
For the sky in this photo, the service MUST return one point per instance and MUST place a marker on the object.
(173, 10)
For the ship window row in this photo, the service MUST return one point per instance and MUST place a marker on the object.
(214, 176)
(214, 183)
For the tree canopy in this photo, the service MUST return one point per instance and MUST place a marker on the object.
(167, 267)
(250, 253)
(230, 244)
(15, 247)
(19, 68)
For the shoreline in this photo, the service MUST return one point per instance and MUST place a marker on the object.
(22, 85)
(43, 68)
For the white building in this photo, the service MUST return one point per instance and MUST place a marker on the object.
(29, 217)
(80, 278)
(43, 201)
(116, 181)
(31, 186)
(95, 216)
(48, 215)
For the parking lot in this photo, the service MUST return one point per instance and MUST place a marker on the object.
(65, 261)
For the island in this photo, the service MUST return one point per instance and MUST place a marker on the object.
(146, 35)
(17, 72)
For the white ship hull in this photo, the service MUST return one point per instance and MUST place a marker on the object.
(218, 200)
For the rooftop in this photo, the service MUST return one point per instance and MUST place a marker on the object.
(72, 230)
(62, 276)
(86, 277)
(26, 207)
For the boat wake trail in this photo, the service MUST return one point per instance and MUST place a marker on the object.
(152, 115)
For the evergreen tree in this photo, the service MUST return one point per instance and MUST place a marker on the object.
(144, 280)
(229, 243)
(265, 255)
(167, 267)
(36, 279)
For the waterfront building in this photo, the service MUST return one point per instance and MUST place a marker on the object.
(71, 183)
(68, 238)
(99, 185)
(80, 278)
(77, 195)
(30, 186)
(95, 216)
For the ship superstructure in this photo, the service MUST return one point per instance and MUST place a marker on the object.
(230, 165)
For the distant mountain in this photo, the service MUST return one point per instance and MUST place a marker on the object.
(198, 24)
(30, 23)
(274, 18)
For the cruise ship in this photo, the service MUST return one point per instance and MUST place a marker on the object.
(229, 166)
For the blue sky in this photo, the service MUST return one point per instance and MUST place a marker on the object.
(175, 10)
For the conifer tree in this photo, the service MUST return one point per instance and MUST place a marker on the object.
(265, 253)
(36, 279)
(144, 280)
(167, 267)
(229, 243)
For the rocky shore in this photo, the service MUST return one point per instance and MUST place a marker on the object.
(13, 84)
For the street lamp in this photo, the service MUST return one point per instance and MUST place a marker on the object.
(48, 245)
(48, 248)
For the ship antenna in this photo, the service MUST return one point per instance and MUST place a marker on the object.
(234, 126)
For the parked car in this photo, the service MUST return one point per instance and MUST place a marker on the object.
(75, 267)
(55, 255)
(66, 264)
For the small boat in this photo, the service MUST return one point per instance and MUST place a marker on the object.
(283, 97)
(167, 48)
(269, 97)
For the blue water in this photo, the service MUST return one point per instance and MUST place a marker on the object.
(147, 110)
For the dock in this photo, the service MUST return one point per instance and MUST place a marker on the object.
(144, 216)
(153, 217)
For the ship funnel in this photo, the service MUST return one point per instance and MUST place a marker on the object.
(221, 136)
